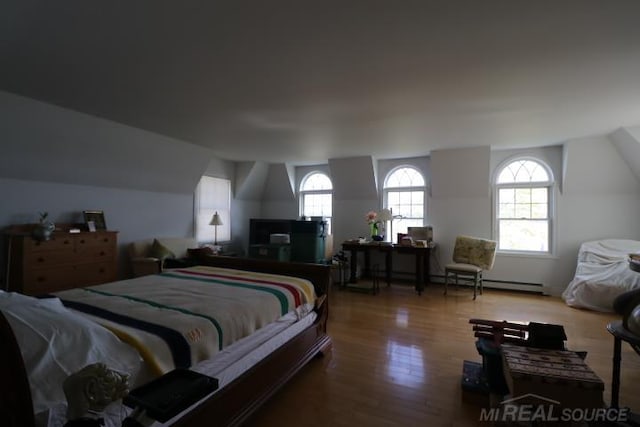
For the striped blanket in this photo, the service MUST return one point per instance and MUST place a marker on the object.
(180, 317)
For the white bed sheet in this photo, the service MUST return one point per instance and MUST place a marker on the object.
(226, 366)
(602, 274)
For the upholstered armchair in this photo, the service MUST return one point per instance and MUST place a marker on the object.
(471, 256)
(149, 256)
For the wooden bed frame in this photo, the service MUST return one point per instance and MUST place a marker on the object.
(230, 406)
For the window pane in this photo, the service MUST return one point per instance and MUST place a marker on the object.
(393, 198)
(404, 177)
(213, 195)
(417, 197)
(539, 210)
(506, 210)
(523, 171)
(523, 235)
(417, 211)
(317, 205)
(523, 211)
(403, 210)
(539, 195)
(507, 195)
(316, 181)
(523, 195)
(405, 198)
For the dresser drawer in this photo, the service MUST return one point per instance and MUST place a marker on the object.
(58, 242)
(95, 274)
(93, 240)
(47, 280)
(95, 254)
(48, 259)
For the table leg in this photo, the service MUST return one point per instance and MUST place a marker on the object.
(615, 379)
(354, 266)
(388, 266)
(419, 273)
(427, 267)
(367, 264)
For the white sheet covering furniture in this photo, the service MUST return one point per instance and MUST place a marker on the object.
(602, 273)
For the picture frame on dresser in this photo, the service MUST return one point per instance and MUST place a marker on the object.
(97, 217)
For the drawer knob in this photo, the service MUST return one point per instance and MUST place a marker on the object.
(102, 253)
(82, 241)
(41, 279)
(40, 259)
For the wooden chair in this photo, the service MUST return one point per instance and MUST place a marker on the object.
(471, 257)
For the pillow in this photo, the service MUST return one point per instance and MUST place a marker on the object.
(56, 342)
(160, 251)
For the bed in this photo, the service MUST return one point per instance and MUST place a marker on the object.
(254, 378)
(602, 273)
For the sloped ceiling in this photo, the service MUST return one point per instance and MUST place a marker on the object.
(302, 82)
(627, 142)
(348, 185)
(41, 142)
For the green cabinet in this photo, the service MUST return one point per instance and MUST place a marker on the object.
(270, 251)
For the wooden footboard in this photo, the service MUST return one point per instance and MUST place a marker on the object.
(230, 406)
(16, 407)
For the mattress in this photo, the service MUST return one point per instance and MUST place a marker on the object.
(226, 366)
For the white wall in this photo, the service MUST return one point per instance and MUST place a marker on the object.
(600, 198)
(135, 214)
(599, 195)
(63, 162)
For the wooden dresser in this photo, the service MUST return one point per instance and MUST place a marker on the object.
(63, 262)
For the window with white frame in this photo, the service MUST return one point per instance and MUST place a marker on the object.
(213, 195)
(404, 194)
(316, 197)
(523, 206)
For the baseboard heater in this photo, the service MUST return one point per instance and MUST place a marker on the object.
(511, 285)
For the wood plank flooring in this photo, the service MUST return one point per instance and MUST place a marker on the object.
(397, 358)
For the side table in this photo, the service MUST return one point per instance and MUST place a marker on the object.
(619, 334)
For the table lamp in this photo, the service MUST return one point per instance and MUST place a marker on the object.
(216, 221)
(387, 215)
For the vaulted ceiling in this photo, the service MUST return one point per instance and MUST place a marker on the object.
(304, 81)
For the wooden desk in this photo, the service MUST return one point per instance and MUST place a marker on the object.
(422, 260)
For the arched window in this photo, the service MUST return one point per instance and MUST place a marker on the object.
(316, 194)
(523, 211)
(404, 194)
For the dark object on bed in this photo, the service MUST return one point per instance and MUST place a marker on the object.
(231, 405)
(167, 396)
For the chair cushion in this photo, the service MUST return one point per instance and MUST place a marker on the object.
(473, 250)
(467, 268)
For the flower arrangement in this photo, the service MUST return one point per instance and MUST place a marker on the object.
(372, 217)
(373, 221)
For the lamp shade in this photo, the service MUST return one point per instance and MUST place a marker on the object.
(216, 220)
(385, 215)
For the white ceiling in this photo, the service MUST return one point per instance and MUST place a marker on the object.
(304, 81)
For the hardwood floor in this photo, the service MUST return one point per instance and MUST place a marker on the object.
(397, 358)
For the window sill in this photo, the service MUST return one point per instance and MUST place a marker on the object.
(537, 255)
